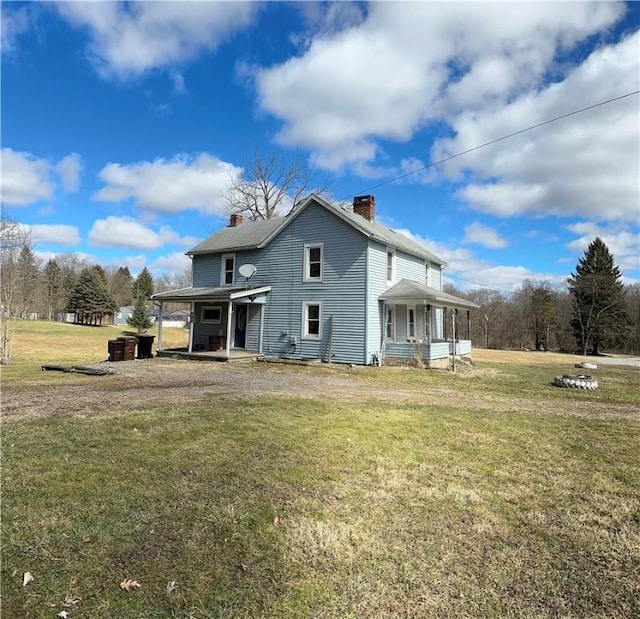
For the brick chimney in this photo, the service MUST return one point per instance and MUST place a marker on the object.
(365, 206)
(235, 220)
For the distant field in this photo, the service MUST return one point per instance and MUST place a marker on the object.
(38, 341)
(258, 490)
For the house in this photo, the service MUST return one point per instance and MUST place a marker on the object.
(176, 319)
(120, 317)
(325, 282)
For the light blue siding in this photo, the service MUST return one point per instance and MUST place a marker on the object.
(206, 270)
(409, 267)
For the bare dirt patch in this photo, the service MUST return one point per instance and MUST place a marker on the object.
(152, 383)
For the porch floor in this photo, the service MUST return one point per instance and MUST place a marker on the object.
(236, 354)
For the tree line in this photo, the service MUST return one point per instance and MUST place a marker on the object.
(593, 312)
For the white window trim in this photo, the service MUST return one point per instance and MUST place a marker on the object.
(210, 307)
(412, 308)
(392, 337)
(223, 271)
(391, 251)
(307, 263)
(305, 321)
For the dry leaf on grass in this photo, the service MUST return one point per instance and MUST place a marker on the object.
(128, 584)
(26, 578)
(63, 614)
(172, 585)
(70, 600)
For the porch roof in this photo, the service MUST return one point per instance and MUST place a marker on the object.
(225, 293)
(407, 291)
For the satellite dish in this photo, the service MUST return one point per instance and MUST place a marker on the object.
(247, 270)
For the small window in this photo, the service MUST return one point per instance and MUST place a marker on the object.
(391, 264)
(311, 328)
(390, 324)
(411, 322)
(313, 263)
(211, 313)
(228, 269)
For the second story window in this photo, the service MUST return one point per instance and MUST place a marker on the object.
(227, 270)
(313, 263)
(391, 265)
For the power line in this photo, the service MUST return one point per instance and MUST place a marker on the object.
(500, 139)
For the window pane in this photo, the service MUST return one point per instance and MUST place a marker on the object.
(314, 269)
(313, 312)
(314, 254)
(314, 327)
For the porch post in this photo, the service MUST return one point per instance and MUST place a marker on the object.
(260, 339)
(428, 321)
(469, 325)
(159, 345)
(192, 321)
(229, 312)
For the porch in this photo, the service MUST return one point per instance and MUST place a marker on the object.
(235, 354)
(226, 323)
(414, 316)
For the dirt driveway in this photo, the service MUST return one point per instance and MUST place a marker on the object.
(143, 384)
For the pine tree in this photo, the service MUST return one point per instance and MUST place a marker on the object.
(143, 285)
(53, 282)
(598, 300)
(140, 319)
(90, 300)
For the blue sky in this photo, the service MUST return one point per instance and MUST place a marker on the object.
(122, 124)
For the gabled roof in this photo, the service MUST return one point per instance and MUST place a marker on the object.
(258, 234)
(407, 291)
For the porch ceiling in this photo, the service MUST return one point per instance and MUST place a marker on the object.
(407, 291)
(226, 293)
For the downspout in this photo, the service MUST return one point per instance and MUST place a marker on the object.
(159, 345)
(192, 321)
(260, 339)
(229, 312)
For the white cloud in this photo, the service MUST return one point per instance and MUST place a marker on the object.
(622, 243)
(69, 169)
(586, 165)
(127, 232)
(27, 178)
(128, 39)
(410, 64)
(56, 234)
(174, 263)
(483, 235)
(180, 184)
(13, 23)
(466, 271)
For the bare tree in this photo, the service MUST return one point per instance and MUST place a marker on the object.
(270, 186)
(14, 238)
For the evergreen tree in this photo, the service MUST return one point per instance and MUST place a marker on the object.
(140, 319)
(90, 300)
(121, 287)
(53, 283)
(26, 282)
(143, 285)
(598, 300)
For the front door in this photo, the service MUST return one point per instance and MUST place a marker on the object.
(239, 339)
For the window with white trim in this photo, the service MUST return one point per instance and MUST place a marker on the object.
(391, 265)
(313, 255)
(211, 314)
(411, 322)
(227, 269)
(311, 325)
(390, 325)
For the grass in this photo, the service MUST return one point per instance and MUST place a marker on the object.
(303, 507)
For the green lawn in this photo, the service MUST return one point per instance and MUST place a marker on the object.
(307, 507)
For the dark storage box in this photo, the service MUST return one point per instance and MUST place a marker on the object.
(145, 343)
(116, 350)
(129, 352)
